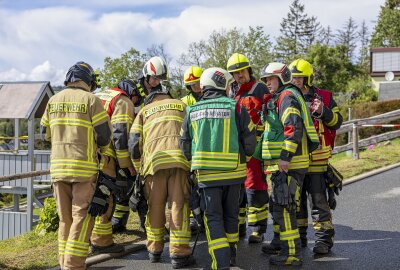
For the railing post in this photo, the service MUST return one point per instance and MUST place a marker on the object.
(356, 154)
(349, 133)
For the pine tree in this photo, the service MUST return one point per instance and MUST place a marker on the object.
(363, 34)
(327, 36)
(298, 32)
(348, 37)
(387, 29)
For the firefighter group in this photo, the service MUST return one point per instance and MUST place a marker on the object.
(219, 161)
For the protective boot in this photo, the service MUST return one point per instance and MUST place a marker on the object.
(182, 262)
(154, 257)
(114, 248)
(256, 237)
(274, 247)
(285, 260)
(119, 225)
(320, 248)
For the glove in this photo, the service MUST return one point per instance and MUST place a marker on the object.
(99, 204)
(137, 201)
(294, 191)
(280, 190)
(331, 199)
(125, 182)
(334, 179)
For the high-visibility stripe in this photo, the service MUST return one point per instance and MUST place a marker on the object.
(98, 117)
(289, 146)
(289, 111)
(121, 118)
(204, 175)
(323, 225)
(157, 120)
(122, 153)
(102, 228)
(334, 120)
(302, 222)
(232, 237)
(61, 246)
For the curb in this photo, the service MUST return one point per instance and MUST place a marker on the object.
(369, 174)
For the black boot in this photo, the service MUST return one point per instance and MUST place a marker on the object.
(154, 257)
(182, 262)
(114, 248)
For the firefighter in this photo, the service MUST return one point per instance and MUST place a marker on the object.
(217, 134)
(327, 119)
(191, 79)
(119, 105)
(154, 149)
(288, 138)
(249, 93)
(78, 127)
(137, 92)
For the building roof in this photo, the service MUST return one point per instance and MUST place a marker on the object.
(24, 100)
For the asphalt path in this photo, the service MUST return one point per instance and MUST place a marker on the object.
(367, 224)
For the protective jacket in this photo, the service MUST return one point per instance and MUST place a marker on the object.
(326, 125)
(250, 95)
(190, 99)
(78, 127)
(289, 131)
(121, 111)
(217, 134)
(154, 136)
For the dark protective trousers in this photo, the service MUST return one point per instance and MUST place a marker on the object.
(314, 191)
(172, 186)
(76, 224)
(286, 221)
(221, 211)
(257, 210)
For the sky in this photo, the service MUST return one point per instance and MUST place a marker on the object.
(41, 39)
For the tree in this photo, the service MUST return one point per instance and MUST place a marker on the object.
(332, 68)
(298, 32)
(348, 37)
(255, 44)
(126, 66)
(387, 29)
(327, 36)
(363, 58)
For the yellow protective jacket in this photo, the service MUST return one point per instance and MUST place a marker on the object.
(189, 99)
(154, 136)
(121, 111)
(78, 128)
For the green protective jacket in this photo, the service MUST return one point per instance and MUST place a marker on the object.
(289, 131)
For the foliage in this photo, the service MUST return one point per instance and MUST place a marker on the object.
(48, 219)
(126, 66)
(255, 44)
(348, 37)
(332, 68)
(298, 32)
(387, 29)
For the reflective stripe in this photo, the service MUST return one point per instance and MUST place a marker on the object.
(98, 117)
(154, 234)
(205, 175)
(232, 237)
(321, 154)
(120, 207)
(289, 146)
(122, 153)
(213, 160)
(289, 111)
(302, 222)
(61, 246)
(121, 118)
(102, 228)
(182, 236)
(323, 225)
(334, 120)
(256, 214)
(136, 128)
(160, 119)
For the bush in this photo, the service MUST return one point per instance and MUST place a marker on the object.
(48, 219)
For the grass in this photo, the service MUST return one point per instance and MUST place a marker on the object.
(34, 252)
(23, 252)
(380, 155)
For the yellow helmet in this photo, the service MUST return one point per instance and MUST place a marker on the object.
(302, 68)
(237, 62)
(192, 75)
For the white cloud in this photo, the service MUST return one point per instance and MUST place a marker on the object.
(32, 39)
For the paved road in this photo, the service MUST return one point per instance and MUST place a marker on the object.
(367, 234)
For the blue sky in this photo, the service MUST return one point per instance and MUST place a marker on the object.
(40, 39)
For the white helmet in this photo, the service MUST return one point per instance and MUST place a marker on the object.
(215, 78)
(157, 67)
(279, 70)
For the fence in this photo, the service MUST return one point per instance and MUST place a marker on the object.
(353, 126)
(22, 178)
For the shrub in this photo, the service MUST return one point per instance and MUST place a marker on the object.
(48, 219)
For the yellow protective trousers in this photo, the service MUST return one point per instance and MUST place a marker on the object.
(172, 186)
(76, 224)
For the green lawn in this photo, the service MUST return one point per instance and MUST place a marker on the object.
(30, 251)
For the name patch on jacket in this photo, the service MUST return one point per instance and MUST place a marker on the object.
(69, 107)
(210, 113)
(164, 107)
